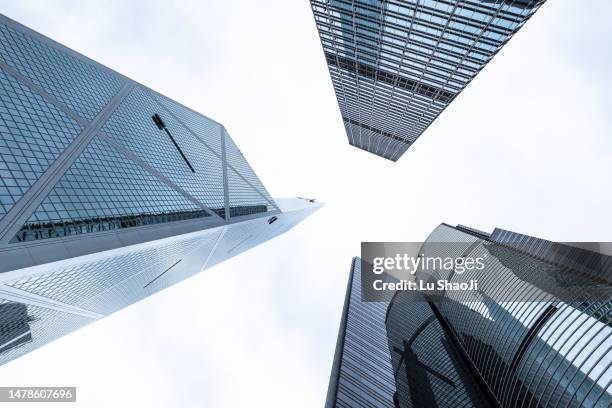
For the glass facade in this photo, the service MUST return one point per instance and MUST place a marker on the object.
(395, 65)
(131, 173)
(109, 192)
(516, 343)
(132, 127)
(547, 352)
(362, 375)
(244, 186)
(84, 87)
(33, 133)
(47, 301)
(428, 371)
(102, 187)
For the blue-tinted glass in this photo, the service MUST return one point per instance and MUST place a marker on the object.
(33, 134)
(248, 189)
(365, 376)
(83, 87)
(396, 65)
(550, 351)
(105, 190)
(207, 130)
(132, 126)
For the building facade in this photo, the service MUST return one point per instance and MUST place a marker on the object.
(362, 375)
(519, 341)
(109, 192)
(396, 65)
(533, 343)
(428, 370)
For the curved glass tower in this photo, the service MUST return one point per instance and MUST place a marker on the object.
(529, 342)
(536, 333)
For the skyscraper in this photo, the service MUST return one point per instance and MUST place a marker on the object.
(520, 342)
(395, 65)
(109, 192)
(362, 375)
(428, 371)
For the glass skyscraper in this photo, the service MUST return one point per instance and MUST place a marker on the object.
(109, 192)
(362, 375)
(395, 65)
(520, 342)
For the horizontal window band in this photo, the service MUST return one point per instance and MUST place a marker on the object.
(46, 230)
(238, 211)
(376, 74)
(375, 130)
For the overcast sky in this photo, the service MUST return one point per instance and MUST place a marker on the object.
(525, 147)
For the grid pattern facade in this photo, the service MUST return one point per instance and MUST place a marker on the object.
(84, 87)
(81, 283)
(548, 352)
(110, 281)
(428, 371)
(362, 375)
(473, 350)
(103, 190)
(14, 325)
(24, 331)
(131, 126)
(33, 133)
(244, 185)
(395, 65)
(132, 173)
(206, 130)
(178, 259)
(87, 156)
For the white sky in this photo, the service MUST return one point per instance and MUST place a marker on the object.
(525, 147)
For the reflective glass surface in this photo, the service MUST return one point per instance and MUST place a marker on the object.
(207, 130)
(364, 375)
(395, 65)
(131, 125)
(244, 186)
(60, 297)
(33, 133)
(83, 86)
(428, 370)
(550, 352)
(100, 189)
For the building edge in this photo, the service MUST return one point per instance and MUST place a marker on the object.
(332, 389)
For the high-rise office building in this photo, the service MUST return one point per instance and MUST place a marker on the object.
(541, 335)
(427, 369)
(362, 375)
(109, 192)
(519, 342)
(395, 65)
